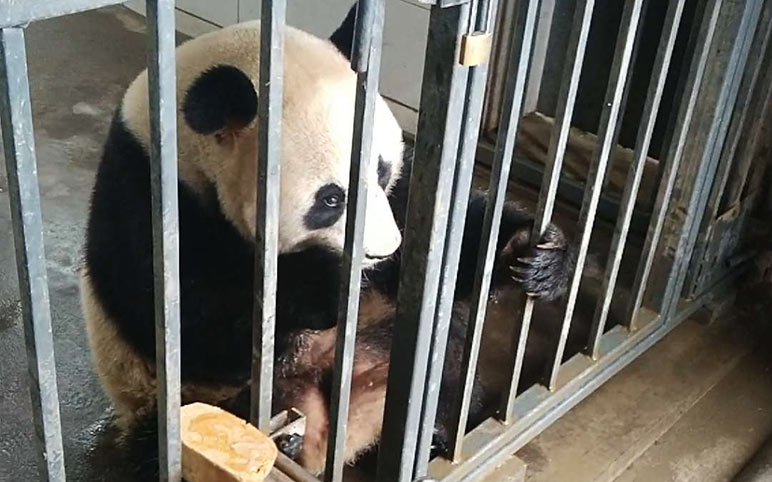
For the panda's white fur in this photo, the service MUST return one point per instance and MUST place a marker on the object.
(317, 126)
(217, 170)
(318, 110)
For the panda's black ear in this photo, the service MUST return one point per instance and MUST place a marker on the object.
(221, 98)
(343, 38)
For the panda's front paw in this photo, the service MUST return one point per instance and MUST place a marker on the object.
(544, 270)
(290, 444)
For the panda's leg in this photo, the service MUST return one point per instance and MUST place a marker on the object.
(365, 417)
(303, 378)
(300, 373)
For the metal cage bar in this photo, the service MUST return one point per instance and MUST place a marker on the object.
(693, 82)
(514, 104)
(634, 175)
(470, 130)
(620, 69)
(701, 271)
(271, 73)
(368, 38)
(747, 154)
(431, 182)
(558, 141)
(162, 84)
(27, 220)
(607, 140)
(524, 24)
(705, 176)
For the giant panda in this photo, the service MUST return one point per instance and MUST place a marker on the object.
(217, 124)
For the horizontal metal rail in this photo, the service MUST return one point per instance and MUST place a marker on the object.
(15, 13)
(537, 408)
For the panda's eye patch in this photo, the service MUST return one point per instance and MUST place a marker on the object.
(384, 172)
(328, 207)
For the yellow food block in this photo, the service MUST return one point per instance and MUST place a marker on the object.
(217, 446)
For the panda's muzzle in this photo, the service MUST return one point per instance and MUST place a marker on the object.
(377, 257)
(382, 237)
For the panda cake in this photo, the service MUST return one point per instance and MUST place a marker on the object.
(217, 144)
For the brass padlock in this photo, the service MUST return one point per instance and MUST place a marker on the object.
(475, 48)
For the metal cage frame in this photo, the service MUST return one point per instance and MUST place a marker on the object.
(451, 108)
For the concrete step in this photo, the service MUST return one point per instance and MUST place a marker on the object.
(714, 439)
(607, 433)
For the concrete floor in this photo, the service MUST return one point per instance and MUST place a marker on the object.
(79, 67)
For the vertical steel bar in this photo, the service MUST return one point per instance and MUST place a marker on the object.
(439, 123)
(633, 182)
(707, 169)
(608, 127)
(626, 93)
(512, 110)
(270, 93)
(474, 99)
(21, 168)
(737, 127)
(747, 153)
(557, 149)
(683, 120)
(369, 31)
(163, 188)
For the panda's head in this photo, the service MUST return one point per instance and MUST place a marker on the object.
(218, 137)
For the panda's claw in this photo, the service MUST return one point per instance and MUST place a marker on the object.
(543, 270)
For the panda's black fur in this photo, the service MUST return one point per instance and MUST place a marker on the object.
(216, 275)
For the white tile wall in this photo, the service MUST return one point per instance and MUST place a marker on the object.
(404, 37)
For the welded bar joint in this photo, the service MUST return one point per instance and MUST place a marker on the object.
(27, 222)
(162, 85)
